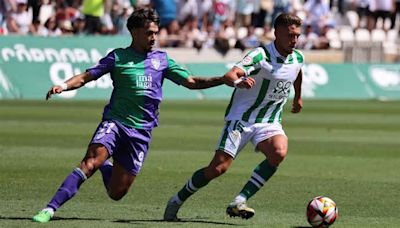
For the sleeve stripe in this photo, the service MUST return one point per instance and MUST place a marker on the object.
(266, 53)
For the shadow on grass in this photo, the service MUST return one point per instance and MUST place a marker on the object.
(14, 218)
(53, 219)
(175, 222)
(133, 221)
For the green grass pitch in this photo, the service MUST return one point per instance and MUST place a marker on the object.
(346, 150)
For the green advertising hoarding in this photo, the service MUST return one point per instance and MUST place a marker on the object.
(30, 65)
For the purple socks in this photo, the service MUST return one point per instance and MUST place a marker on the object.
(68, 188)
(106, 170)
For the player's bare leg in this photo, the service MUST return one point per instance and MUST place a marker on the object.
(218, 166)
(120, 182)
(275, 150)
(95, 156)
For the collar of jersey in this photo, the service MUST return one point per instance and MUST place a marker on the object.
(139, 53)
(276, 53)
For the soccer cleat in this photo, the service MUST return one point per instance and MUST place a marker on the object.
(43, 216)
(171, 210)
(240, 209)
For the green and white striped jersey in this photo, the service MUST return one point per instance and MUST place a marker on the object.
(274, 75)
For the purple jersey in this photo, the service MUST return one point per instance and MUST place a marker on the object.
(137, 80)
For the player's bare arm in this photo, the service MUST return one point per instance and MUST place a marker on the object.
(73, 83)
(202, 82)
(236, 77)
(297, 101)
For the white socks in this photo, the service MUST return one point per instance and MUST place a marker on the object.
(50, 210)
(240, 199)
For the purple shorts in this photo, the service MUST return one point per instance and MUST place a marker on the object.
(128, 146)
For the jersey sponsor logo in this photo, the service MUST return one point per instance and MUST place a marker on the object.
(280, 91)
(156, 63)
(144, 81)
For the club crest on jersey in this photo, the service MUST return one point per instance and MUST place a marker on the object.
(156, 63)
(247, 60)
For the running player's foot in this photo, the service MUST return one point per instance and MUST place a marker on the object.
(240, 209)
(172, 209)
(44, 215)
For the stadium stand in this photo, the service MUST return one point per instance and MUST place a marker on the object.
(195, 24)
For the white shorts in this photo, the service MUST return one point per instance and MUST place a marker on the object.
(236, 134)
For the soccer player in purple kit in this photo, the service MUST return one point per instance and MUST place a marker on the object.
(124, 134)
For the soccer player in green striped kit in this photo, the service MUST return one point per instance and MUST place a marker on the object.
(138, 73)
(254, 115)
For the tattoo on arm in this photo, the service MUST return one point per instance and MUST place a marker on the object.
(204, 83)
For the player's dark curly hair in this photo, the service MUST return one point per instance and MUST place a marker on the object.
(286, 19)
(140, 17)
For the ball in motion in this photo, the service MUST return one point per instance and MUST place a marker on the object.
(321, 212)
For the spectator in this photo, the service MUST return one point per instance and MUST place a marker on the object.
(66, 12)
(193, 36)
(380, 9)
(37, 26)
(322, 41)
(339, 4)
(221, 43)
(362, 9)
(280, 6)
(79, 26)
(204, 8)
(5, 6)
(66, 27)
(119, 16)
(20, 21)
(35, 6)
(268, 35)
(244, 10)
(93, 11)
(311, 41)
(263, 16)
(393, 17)
(210, 36)
(307, 39)
(167, 11)
(223, 11)
(140, 3)
(171, 36)
(250, 41)
(187, 8)
(50, 28)
(47, 9)
(318, 14)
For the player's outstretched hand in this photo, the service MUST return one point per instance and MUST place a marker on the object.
(246, 83)
(297, 105)
(53, 90)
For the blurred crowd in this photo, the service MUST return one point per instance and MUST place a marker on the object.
(220, 24)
